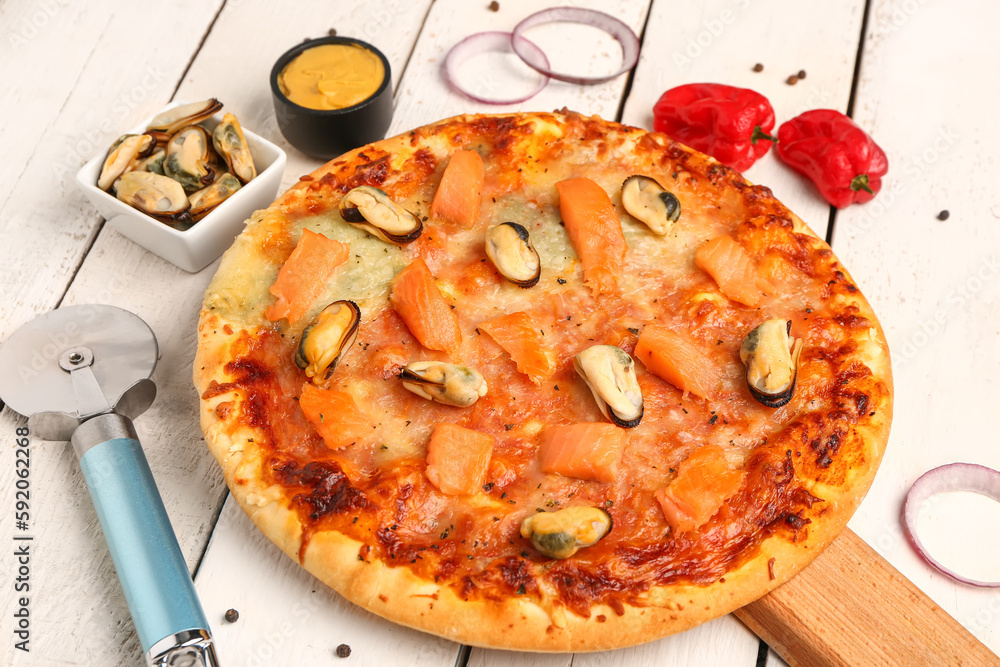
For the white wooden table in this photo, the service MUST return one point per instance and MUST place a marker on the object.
(919, 75)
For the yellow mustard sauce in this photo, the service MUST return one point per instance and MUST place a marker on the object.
(332, 76)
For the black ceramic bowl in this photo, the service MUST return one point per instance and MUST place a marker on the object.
(328, 133)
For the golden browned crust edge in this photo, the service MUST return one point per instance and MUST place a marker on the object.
(519, 623)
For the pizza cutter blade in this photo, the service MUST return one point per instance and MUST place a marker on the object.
(81, 373)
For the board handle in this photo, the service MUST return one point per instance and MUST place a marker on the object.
(148, 560)
(851, 607)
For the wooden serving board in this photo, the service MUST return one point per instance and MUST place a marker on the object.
(851, 607)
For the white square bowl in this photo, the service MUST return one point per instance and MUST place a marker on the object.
(194, 248)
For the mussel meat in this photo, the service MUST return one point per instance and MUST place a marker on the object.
(650, 203)
(370, 209)
(160, 137)
(326, 339)
(609, 371)
(124, 152)
(161, 197)
(187, 158)
(562, 533)
(232, 146)
(508, 245)
(771, 356)
(151, 193)
(206, 199)
(174, 119)
(153, 163)
(446, 383)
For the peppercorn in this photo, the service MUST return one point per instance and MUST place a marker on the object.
(801, 74)
(494, 6)
(792, 80)
(232, 616)
(343, 651)
(332, 32)
(943, 215)
(758, 68)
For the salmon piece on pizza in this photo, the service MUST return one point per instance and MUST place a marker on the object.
(595, 232)
(519, 338)
(589, 450)
(303, 276)
(731, 268)
(335, 415)
(703, 483)
(459, 195)
(672, 357)
(457, 459)
(427, 314)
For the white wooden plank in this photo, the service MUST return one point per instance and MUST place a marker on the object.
(33, 35)
(724, 641)
(425, 97)
(774, 660)
(721, 41)
(935, 284)
(301, 622)
(279, 622)
(484, 658)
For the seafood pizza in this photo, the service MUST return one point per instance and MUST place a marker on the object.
(541, 382)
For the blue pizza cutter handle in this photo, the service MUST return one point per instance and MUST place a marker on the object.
(154, 577)
(81, 373)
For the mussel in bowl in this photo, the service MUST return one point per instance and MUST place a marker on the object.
(170, 121)
(123, 154)
(188, 155)
(156, 195)
(232, 146)
(205, 200)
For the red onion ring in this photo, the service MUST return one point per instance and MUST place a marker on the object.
(952, 477)
(483, 42)
(609, 24)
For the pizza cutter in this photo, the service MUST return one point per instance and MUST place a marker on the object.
(81, 373)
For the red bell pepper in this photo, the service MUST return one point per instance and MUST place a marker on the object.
(731, 124)
(841, 159)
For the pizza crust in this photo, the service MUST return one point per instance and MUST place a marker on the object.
(528, 623)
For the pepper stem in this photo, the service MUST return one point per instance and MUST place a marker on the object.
(759, 134)
(860, 182)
